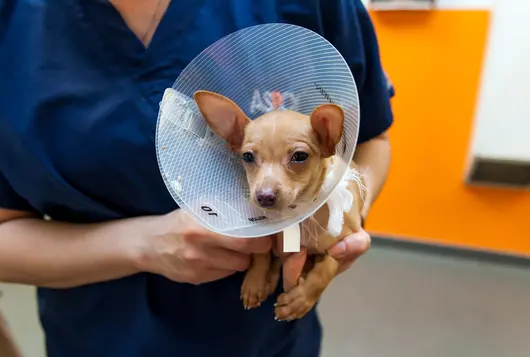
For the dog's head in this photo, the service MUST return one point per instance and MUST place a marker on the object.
(283, 151)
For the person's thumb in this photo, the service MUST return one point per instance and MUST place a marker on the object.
(292, 268)
(351, 246)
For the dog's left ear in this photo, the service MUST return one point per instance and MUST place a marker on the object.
(223, 116)
(327, 121)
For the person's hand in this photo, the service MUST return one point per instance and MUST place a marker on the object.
(345, 252)
(350, 248)
(184, 251)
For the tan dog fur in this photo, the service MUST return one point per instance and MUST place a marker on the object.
(272, 141)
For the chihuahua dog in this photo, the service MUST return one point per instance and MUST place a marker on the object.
(287, 156)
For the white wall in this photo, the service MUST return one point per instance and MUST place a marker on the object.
(502, 122)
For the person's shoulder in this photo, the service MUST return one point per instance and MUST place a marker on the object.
(6, 10)
(21, 13)
(347, 9)
(344, 20)
(318, 15)
(9, 8)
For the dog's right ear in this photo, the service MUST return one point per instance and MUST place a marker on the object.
(223, 116)
(327, 121)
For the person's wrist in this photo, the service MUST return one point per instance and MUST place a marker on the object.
(138, 254)
(148, 235)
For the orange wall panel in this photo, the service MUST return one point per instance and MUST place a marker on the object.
(435, 61)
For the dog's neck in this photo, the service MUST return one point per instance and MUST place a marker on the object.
(328, 179)
(321, 177)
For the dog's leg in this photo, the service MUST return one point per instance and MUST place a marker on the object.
(297, 302)
(256, 286)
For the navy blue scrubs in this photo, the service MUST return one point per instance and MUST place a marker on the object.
(79, 99)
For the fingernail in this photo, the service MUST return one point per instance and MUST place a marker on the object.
(338, 250)
(359, 242)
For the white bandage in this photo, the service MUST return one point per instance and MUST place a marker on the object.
(340, 201)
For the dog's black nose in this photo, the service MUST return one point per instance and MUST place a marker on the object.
(266, 198)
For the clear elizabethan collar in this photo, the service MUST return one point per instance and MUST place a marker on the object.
(261, 68)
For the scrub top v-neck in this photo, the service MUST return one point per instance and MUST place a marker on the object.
(78, 110)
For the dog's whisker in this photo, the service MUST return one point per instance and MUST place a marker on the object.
(358, 179)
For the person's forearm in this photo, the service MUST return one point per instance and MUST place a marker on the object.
(8, 347)
(374, 159)
(62, 255)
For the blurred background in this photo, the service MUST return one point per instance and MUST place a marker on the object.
(449, 271)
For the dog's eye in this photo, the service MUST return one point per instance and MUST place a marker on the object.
(248, 157)
(299, 157)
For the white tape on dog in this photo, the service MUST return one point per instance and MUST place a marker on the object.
(291, 239)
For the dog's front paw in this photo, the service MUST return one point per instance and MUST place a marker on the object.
(296, 303)
(255, 289)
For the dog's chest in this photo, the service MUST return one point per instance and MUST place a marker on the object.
(315, 234)
(320, 231)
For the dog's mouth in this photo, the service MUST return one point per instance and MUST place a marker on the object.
(281, 203)
(302, 198)
(284, 200)
(287, 208)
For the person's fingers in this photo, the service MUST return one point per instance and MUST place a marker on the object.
(293, 265)
(221, 258)
(210, 275)
(246, 245)
(196, 233)
(351, 246)
(277, 245)
(346, 264)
